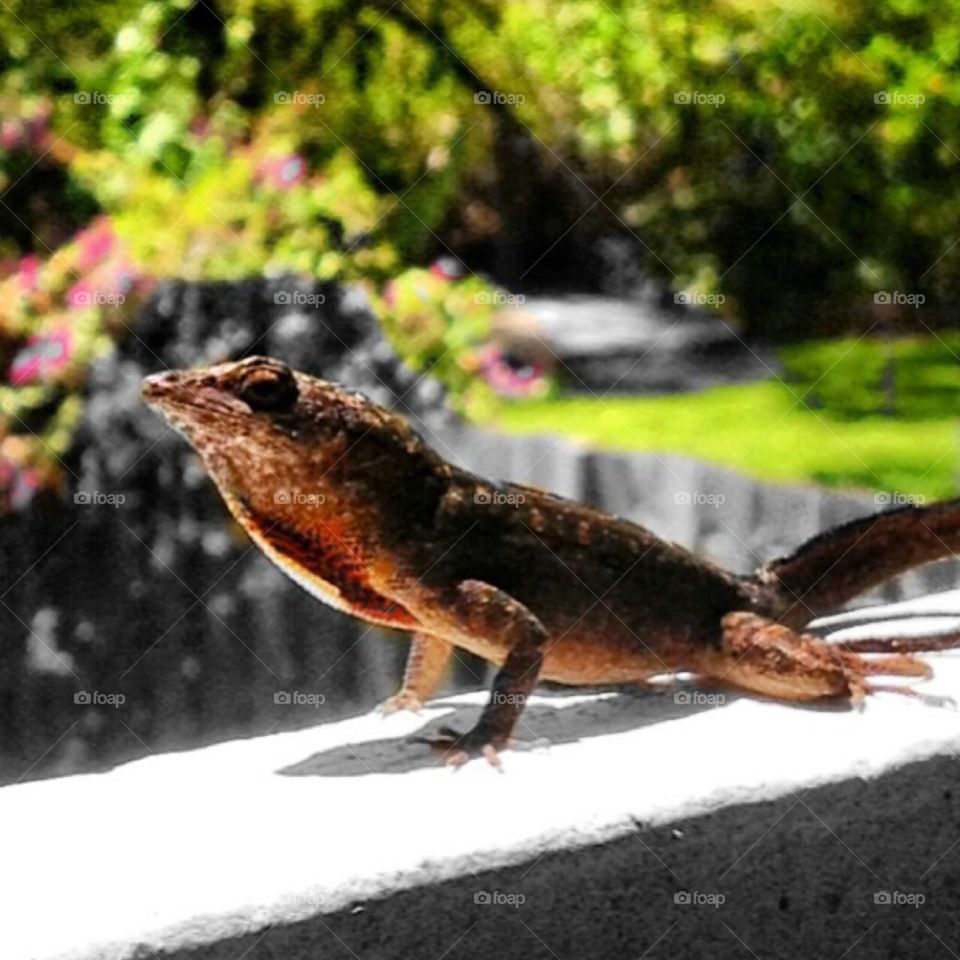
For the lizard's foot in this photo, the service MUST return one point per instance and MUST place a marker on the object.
(404, 700)
(455, 749)
(771, 659)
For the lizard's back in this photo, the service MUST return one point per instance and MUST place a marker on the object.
(617, 601)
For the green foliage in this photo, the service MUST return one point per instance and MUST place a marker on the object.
(798, 158)
(912, 379)
(821, 423)
(438, 325)
(55, 317)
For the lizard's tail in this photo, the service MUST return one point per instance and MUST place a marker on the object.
(927, 643)
(835, 566)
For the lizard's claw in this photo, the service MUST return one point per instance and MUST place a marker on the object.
(455, 749)
(403, 700)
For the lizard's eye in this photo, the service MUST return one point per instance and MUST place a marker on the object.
(269, 390)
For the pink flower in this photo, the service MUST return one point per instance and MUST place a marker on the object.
(11, 134)
(282, 172)
(23, 483)
(508, 377)
(200, 127)
(28, 271)
(390, 293)
(17, 485)
(40, 357)
(95, 243)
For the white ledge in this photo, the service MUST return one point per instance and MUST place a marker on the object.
(192, 848)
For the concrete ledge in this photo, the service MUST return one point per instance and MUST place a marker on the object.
(780, 826)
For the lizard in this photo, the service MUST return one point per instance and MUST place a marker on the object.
(350, 502)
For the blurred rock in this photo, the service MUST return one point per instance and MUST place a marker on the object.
(647, 342)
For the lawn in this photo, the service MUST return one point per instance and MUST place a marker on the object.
(871, 414)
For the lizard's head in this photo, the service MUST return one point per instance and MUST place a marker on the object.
(276, 439)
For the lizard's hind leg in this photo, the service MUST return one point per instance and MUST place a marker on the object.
(764, 657)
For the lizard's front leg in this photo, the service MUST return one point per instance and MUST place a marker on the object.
(491, 615)
(427, 664)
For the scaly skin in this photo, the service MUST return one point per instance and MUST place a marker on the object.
(355, 507)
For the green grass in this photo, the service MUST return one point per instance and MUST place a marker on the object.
(828, 421)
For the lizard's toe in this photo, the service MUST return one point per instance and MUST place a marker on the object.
(401, 701)
(455, 749)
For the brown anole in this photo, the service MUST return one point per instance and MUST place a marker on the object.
(351, 503)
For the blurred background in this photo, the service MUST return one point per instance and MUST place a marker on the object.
(693, 262)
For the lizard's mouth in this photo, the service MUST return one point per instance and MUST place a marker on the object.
(159, 388)
(191, 407)
(176, 391)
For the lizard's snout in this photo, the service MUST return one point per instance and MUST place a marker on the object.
(160, 385)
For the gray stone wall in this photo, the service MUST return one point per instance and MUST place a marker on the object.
(160, 601)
